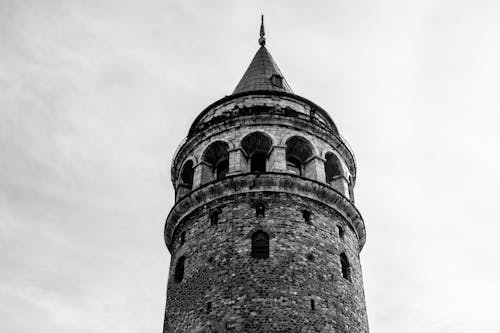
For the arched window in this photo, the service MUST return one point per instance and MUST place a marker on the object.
(187, 174)
(185, 183)
(333, 167)
(260, 245)
(258, 162)
(257, 146)
(293, 165)
(298, 152)
(179, 269)
(216, 161)
(346, 269)
(260, 209)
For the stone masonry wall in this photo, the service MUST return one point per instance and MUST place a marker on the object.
(225, 289)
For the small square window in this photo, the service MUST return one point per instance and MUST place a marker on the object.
(260, 209)
(277, 80)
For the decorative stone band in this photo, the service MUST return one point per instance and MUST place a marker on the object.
(265, 182)
(251, 98)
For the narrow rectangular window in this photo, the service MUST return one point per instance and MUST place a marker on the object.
(214, 217)
(346, 269)
(179, 269)
(307, 216)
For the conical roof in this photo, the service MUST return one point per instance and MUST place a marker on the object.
(262, 74)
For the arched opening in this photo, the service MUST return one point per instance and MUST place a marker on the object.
(179, 269)
(222, 169)
(293, 165)
(346, 269)
(298, 153)
(258, 162)
(334, 174)
(185, 184)
(260, 245)
(187, 174)
(257, 146)
(216, 162)
(333, 168)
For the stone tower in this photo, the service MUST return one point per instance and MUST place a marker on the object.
(264, 235)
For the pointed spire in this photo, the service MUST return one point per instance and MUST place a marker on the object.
(263, 73)
(262, 39)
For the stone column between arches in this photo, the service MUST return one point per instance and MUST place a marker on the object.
(277, 159)
(237, 161)
(315, 169)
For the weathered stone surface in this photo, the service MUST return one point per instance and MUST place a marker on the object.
(266, 295)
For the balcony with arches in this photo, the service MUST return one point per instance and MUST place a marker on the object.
(259, 152)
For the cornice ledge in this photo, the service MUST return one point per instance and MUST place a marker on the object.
(265, 182)
(257, 93)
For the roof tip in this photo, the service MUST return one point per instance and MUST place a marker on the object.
(262, 38)
(263, 73)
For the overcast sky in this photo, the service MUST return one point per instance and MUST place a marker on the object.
(95, 97)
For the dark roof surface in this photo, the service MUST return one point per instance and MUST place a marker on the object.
(259, 73)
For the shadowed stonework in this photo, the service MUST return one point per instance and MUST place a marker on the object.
(264, 235)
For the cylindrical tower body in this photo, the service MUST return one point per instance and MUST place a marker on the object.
(264, 235)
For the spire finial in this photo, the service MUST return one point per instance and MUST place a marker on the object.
(262, 39)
